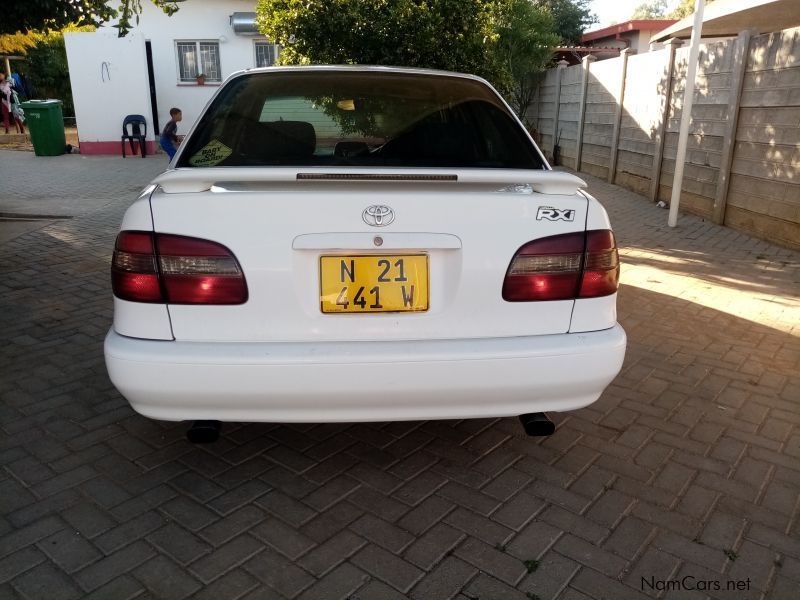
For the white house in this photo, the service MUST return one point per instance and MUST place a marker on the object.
(155, 67)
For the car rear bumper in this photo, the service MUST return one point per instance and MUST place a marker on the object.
(363, 381)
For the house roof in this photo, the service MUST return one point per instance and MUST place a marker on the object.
(725, 18)
(634, 25)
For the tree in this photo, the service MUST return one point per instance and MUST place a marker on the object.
(505, 41)
(684, 9)
(443, 34)
(655, 9)
(16, 43)
(524, 49)
(570, 17)
(47, 69)
(45, 66)
(49, 15)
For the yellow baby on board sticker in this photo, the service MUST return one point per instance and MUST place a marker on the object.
(211, 155)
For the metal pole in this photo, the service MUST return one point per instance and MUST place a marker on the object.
(686, 115)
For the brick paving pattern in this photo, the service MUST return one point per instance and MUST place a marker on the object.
(689, 464)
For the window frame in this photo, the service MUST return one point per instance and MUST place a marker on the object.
(200, 66)
(256, 44)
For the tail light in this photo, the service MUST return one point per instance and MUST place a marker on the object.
(174, 269)
(564, 267)
(601, 265)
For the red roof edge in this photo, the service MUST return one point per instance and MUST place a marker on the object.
(587, 49)
(634, 25)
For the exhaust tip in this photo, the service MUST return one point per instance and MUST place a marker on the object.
(537, 424)
(204, 432)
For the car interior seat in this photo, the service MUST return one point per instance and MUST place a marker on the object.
(274, 141)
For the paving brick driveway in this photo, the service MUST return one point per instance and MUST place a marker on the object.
(689, 465)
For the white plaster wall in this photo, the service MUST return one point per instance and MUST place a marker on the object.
(108, 76)
(644, 41)
(196, 20)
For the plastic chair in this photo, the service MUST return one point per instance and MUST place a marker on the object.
(138, 131)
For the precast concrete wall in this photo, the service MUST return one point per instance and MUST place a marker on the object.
(743, 160)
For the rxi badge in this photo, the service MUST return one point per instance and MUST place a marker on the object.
(555, 214)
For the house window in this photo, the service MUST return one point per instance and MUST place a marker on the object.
(266, 54)
(198, 57)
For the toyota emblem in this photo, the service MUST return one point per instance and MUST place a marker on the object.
(378, 215)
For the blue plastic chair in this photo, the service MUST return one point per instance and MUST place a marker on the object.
(134, 127)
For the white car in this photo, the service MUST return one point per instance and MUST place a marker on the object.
(336, 244)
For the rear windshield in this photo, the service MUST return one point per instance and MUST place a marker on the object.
(348, 118)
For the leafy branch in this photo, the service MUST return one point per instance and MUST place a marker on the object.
(25, 16)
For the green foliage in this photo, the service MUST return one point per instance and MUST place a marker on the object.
(570, 17)
(54, 15)
(523, 50)
(46, 67)
(133, 8)
(655, 9)
(505, 41)
(16, 43)
(48, 15)
(48, 72)
(442, 34)
(684, 9)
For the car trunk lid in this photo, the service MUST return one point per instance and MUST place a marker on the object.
(280, 222)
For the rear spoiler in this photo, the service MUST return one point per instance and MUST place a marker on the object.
(187, 180)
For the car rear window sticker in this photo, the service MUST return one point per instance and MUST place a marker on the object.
(213, 153)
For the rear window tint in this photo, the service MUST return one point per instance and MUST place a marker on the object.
(351, 118)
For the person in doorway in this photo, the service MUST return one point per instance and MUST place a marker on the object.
(169, 135)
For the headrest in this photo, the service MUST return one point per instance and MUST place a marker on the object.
(350, 149)
(276, 140)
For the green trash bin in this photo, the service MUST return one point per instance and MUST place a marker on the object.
(45, 121)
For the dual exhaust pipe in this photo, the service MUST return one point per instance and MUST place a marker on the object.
(207, 432)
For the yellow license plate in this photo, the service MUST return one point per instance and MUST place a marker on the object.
(366, 284)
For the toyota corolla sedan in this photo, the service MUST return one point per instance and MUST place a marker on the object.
(336, 244)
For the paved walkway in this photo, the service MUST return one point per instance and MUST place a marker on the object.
(686, 472)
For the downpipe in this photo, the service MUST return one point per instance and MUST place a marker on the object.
(537, 424)
(204, 432)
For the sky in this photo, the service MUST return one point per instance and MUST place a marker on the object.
(610, 11)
